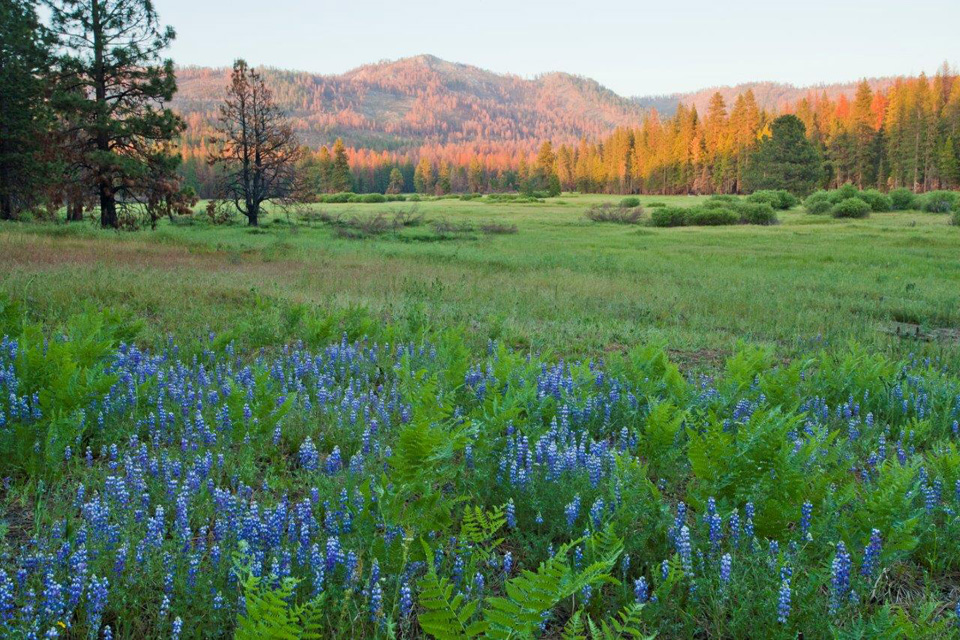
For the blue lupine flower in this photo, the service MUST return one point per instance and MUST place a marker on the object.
(309, 456)
(406, 600)
(572, 510)
(726, 564)
(641, 590)
(805, 517)
(177, 628)
(871, 555)
(507, 563)
(840, 581)
(783, 602)
(511, 512)
(685, 550)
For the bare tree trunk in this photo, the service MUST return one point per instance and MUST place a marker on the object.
(75, 211)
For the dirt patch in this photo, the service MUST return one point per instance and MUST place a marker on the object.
(698, 360)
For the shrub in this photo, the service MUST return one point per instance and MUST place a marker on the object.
(845, 192)
(337, 198)
(374, 198)
(851, 208)
(878, 202)
(415, 197)
(607, 212)
(903, 199)
(702, 217)
(669, 217)
(756, 213)
(955, 218)
(396, 197)
(630, 202)
(940, 201)
(818, 203)
(654, 205)
(778, 199)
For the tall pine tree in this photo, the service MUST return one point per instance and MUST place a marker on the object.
(112, 88)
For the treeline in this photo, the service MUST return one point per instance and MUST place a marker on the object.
(907, 135)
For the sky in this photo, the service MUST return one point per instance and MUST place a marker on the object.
(634, 48)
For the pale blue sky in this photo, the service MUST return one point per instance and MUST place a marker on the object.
(635, 48)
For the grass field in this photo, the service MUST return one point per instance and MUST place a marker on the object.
(328, 427)
(560, 283)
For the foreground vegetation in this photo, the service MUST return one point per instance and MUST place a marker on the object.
(392, 488)
(456, 418)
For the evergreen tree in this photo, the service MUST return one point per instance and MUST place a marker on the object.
(324, 167)
(785, 159)
(443, 185)
(112, 88)
(340, 177)
(396, 181)
(423, 177)
(24, 117)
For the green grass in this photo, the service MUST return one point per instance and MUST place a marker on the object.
(562, 283)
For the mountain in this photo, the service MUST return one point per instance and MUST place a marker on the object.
(772, 96)
(422, 100)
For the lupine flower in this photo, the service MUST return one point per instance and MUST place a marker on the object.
(685, 551)
(783, 602)
(507, 562)
(511, 513)
(841, 577)
(805, 517)
(726, 563)
(177, 628)
(871, 555)
(406, 600)
(640, 590)
(309, 456)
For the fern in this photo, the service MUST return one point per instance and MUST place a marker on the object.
(269, 615)
(445, 616)
(480, 528)
(625, 625)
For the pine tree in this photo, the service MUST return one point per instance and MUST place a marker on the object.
(24, 117)
(340, 177)
(786, 159)
(443, 185)
(423, 177)
(396, 182)
(113, 85)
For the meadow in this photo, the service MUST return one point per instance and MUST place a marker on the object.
(479, 418)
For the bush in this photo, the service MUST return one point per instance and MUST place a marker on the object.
(903, 199)
(498, 228)
(669, 217)
(609, 213)
(955, 218)
(719, 202)
(851, 208)
(940, 201)
(630, 202)
(845, 192)
(396, 197)
(818, 203)
(374, 198)
(337, 198)
(756, 213)
(702, 217)
(654, 205)
(778, 199)
(878, 202)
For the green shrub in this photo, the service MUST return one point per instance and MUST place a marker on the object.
(702, 217)
(654, 205)
(778, 199)
(718, 202)
(851, 208)
(396, 197)
(878, 202)
(415, 197)
(669, 217)
(374, 198)
(845, 192)
(903, 199)
(756, 213)
(630, 202)
(337, 198)
(818, 203)
(940, 201)
(955, 218)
